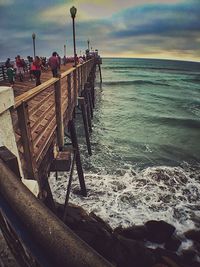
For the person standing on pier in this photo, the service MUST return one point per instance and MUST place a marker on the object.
(36, 69)
(19, 68)
(54, 64)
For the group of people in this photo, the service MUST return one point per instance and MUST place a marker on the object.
(35, 66)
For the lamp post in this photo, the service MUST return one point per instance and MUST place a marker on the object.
(65, 50)
(73, 11)
(88, 44)
(33, 37)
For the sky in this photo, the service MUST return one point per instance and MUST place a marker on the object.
(166, 29)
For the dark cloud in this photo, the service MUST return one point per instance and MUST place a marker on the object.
(167, 20)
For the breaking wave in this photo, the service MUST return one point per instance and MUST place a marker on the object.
(135, 196)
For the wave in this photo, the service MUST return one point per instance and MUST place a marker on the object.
(186, 122)
(136, 196)
(146, 68)
(193, 80)
(137, 82)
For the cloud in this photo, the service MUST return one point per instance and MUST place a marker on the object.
(6, 2)
(165, 20)
(115, 27)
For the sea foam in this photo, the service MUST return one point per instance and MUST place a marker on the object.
(133, 197)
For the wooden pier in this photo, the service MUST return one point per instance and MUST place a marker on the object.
(40, 118)
(42, 114)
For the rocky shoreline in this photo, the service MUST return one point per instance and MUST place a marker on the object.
(127, 247)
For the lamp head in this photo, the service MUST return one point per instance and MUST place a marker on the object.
(73, 11)
(33, 35)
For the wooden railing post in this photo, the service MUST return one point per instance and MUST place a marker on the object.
(59, 114)
(29, 156)
(74, 88)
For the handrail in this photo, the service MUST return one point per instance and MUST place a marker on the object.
(33, 92)
(36, 90)
(51, 234)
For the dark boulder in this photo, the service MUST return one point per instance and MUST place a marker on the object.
(131, 253)
(159, 231)
(188, 255)
(135, 232)
(173, 243)
(193, 235)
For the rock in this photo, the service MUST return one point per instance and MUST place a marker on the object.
(101, 222)
(169, 258)
(193, 235)
(126, 247)
(135, 232)
(173, 243)
(160, 265)
(170, 262)
(131, 253)
(159, 231)
(188, 255)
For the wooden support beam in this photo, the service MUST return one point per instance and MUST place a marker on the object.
(90, 101)
(100, 73)
(81, 101)
(69, 187)
(86, 96)
(62, 161)
(59, 114)
(75, 145)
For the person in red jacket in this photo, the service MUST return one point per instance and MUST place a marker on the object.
(54, 64)
(36, 69)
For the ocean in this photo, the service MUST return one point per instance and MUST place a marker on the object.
(145, 143)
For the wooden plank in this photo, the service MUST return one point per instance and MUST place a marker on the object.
(36, 122)
(45, 142)
(46, 129)
(33, 92)
(37, 103)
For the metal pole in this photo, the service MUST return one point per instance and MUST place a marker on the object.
(34, 47)
(65, 50)
(88, 44)
(51, 234)
(33, 36)
(74, 41)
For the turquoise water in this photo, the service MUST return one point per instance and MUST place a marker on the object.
(149, 112)
(145, 143)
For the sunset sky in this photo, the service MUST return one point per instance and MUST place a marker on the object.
(117, 28)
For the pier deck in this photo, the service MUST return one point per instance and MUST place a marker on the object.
(22, 87)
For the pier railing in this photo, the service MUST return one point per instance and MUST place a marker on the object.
(40, 116)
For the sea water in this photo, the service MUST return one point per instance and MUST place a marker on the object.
(145, 143)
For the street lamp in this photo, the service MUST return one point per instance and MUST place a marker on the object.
(65, 50)
(73, 11)
(88, 44)
(33, 37)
